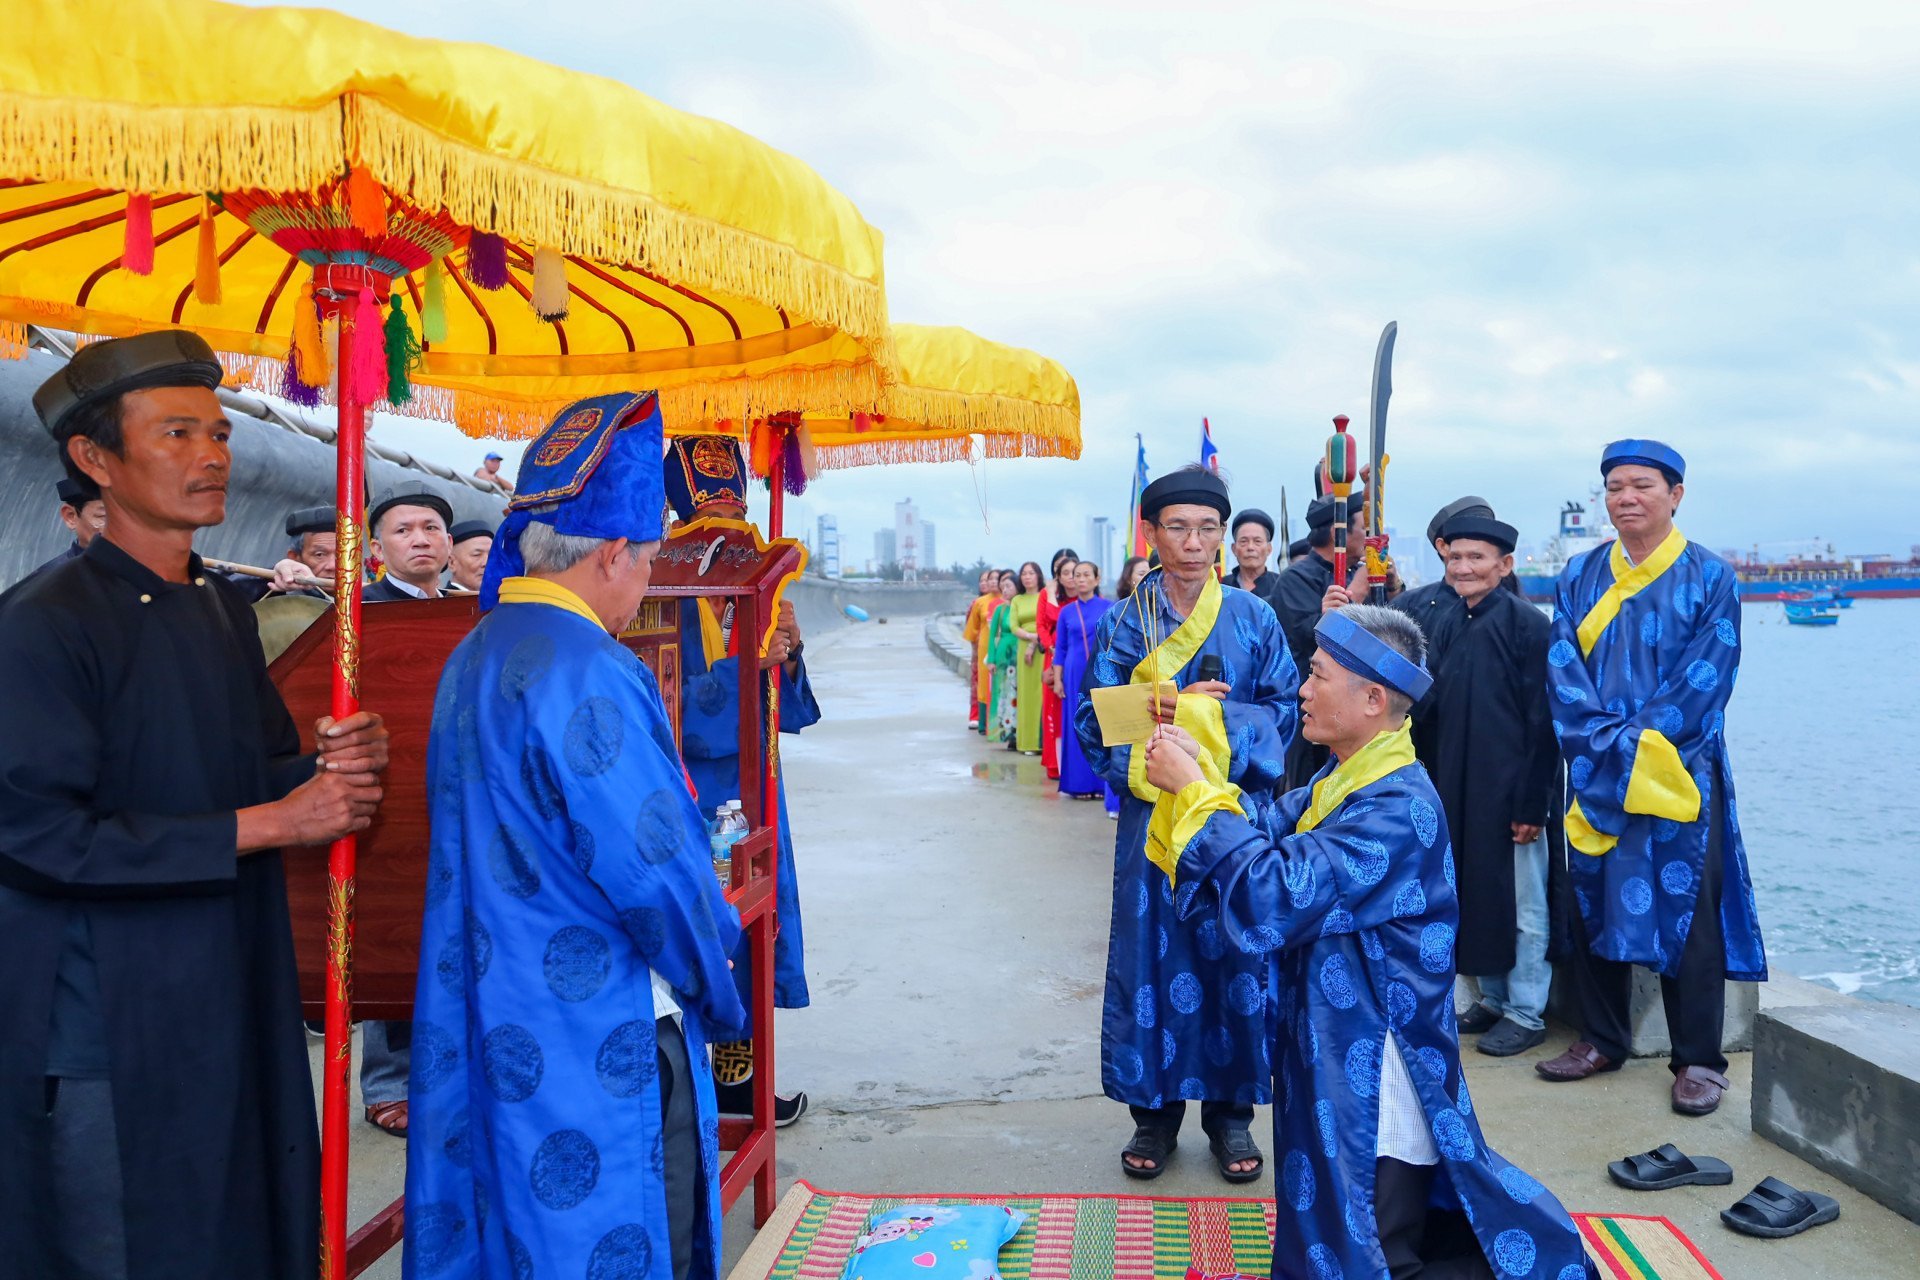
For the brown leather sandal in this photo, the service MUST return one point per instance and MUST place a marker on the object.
(390, 1117)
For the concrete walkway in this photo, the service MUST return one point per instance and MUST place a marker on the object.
(956, 912)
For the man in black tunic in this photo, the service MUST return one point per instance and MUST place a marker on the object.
(1298, 596)
(1485, 735)
(156, 1108)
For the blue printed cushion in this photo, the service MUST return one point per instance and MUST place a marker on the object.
(934, 1242)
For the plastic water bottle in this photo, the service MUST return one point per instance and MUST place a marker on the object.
(729, 828)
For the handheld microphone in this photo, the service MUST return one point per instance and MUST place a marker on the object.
(1210, 667)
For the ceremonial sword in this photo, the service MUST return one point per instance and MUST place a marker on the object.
(1378, 562)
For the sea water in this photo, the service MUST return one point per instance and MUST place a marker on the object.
(1821, 730)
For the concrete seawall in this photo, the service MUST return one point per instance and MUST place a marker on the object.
(275, 470)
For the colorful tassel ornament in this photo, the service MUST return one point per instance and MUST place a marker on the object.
(206, 266)
(309, 359)
(330, 343)
(793, 468)
(551, 297)
(366, 372)
(403, 353)
(137, 256)
(809, 459)
(366, 203)
(433, 305)
(762, 443)
(293, 383)
(487, 260)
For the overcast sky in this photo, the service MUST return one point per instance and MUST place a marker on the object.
(1694, 219)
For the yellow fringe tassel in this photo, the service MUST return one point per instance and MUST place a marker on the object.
(316, 365)
(879, 450)
(535, 206)
(13, 340)
(984, 415)
(124, 147)
(206, 267)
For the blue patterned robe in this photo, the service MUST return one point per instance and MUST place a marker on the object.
(1357, 919)
(710, 744)
(1072, 653)
(1185, 1014)
(566, 858)
(1667, 662)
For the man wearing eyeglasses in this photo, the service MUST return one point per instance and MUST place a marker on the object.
(1185, 1011)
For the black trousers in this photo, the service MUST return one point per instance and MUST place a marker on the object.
(1420, 1242)
(1215, 1117)
(1696, 1000)
(680, 1133)
(89, 1228)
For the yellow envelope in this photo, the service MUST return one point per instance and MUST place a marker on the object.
(1125, 712)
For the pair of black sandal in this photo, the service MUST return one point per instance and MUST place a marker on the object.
(1772, 1210)
(1229, 1148)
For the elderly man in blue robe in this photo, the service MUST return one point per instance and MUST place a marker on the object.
(1185, 1014)
(1346, 889)
(706, 479)
(1645, 648)
(575, 949)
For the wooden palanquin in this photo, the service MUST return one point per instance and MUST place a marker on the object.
(405, 644)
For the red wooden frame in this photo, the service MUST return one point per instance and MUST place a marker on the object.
(404, 645)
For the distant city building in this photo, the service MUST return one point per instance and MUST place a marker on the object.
(908, 546)
(827, 546)
(1100, 544)
(884, 550)
(929, 558)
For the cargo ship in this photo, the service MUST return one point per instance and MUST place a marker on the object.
(1583, 526)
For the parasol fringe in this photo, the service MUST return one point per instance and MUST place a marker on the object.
(538, 207)
(984, 414)
(13, 340)
(124, 147)
(906, 449)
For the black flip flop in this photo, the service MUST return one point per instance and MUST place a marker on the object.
(1148, 1143)
(1229, 1147)
(1774, 1210)
(1665, 1166)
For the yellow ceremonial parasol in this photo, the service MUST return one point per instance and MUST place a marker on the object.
(959, 397)
(441, 229)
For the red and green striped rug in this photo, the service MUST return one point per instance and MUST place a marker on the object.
(1139, 1238)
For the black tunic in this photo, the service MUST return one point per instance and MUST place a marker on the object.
(1485, 735)
(1296, 597)
(138, 718)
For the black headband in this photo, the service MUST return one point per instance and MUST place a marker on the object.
(1185, 489)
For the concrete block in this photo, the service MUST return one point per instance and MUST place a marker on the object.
(944, 642)
(1649, 1014)
(1839, 1086)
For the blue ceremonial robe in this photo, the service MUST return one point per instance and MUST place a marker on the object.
(567, 858)
(1665, 666)
(1357, 919)
(1185, 1014)
(710, 744)
(1072, 651)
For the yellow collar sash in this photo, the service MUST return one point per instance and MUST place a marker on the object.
(1629, 580)
(524, 590)
(1390, 749)
(1198, 714)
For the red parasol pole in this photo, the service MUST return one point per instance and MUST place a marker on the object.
(349, 456)
(1343, 465)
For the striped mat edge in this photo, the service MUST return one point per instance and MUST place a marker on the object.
(1097, 1236)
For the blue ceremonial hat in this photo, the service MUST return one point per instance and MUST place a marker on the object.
(1363, 653)
(1645, 453)
(702, 470)
(598, 468)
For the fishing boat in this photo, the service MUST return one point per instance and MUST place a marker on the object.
(1810, 614)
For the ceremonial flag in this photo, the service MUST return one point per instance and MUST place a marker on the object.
(1209, 456)
(1139, 540)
